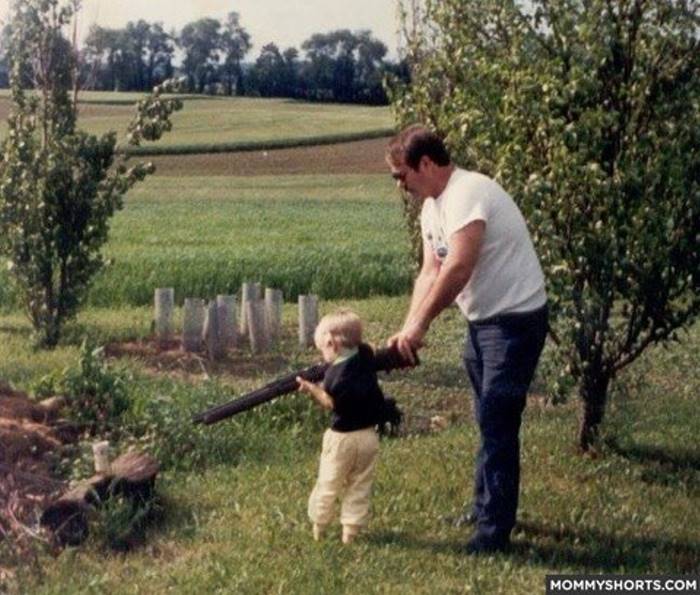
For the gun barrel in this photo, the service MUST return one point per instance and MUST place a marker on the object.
(279, 387)
(385, 359)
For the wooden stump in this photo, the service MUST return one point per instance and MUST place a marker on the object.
(308, 319)
(134, 475)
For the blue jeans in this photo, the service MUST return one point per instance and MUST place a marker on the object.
(500, 356)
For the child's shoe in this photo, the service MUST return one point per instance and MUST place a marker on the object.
(318, 531)
(350, 532)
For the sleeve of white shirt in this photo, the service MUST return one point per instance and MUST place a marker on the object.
(465, 204)
(425, 220)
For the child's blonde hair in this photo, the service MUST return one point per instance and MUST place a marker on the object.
(344, 328)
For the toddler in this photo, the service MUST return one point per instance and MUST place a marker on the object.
(351, 445)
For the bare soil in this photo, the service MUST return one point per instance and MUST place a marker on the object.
(30, 442)
(172, 360)
(355, 157)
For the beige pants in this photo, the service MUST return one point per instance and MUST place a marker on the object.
(346, 471)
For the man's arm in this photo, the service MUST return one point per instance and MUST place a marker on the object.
(424, 281)
(451, 277)
(421, 286)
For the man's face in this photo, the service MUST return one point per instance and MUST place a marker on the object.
(410, 180)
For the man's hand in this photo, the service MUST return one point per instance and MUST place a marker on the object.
(409, 340)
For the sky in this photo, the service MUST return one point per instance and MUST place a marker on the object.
(284, 22)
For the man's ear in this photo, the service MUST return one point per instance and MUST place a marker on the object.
(425, 163)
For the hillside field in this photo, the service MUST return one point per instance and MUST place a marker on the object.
(223, 120)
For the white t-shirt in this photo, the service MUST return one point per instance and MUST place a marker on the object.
(507, 276)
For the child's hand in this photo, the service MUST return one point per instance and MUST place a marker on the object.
(305, 386)
(316, 392)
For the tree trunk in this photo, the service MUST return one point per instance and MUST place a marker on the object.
(47, 330)
(593, 394)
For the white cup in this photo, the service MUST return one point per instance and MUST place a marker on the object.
(100, 452)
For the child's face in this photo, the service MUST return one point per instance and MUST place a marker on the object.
(328, 349)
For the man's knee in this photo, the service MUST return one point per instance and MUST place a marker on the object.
(500, 408)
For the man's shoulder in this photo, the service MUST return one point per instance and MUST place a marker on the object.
(474, 182)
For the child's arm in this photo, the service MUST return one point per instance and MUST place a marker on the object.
(316, 392)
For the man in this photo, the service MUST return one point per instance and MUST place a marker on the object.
(477, 252)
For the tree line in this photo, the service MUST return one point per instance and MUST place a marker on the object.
(339, 66)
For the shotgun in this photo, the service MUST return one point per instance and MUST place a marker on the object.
(385, 359)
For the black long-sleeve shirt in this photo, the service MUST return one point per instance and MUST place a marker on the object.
(353, 386)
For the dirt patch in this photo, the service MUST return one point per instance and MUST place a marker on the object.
(30, 442)
(356, 157)
(172, 360)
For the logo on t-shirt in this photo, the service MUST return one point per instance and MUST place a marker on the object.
(438, 245)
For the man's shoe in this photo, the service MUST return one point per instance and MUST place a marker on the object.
(481, 545)
(461, 520)
(465, 519)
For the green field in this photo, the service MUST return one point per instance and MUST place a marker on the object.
(331, 235)
(207, 123)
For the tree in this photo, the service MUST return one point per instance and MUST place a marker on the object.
(159, 55)
(131, 59)
(102, 53)
(345, 66)
(320, 62)
(134, 41)
(370, 69)
(5, 36)
(291, 81)
(588, 112)
(201, 42)
(59, 186)
(235, 44)
(269, 71)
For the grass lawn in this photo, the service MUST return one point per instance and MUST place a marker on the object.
(235, 521)
(218, 120)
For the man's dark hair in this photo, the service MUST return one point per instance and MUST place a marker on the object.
(414, 142)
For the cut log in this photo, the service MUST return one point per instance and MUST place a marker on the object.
(67, 517)
(132, 474)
